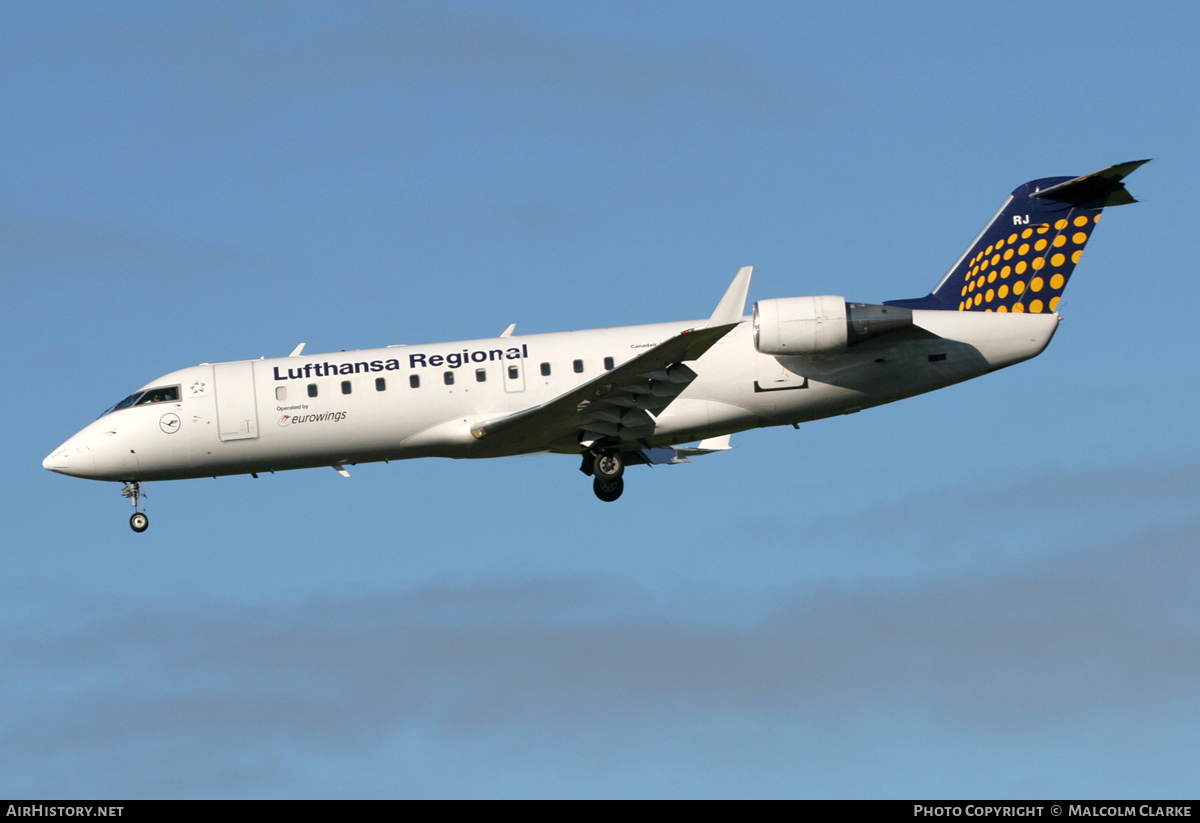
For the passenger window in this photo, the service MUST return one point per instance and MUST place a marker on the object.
(608, 364)
(513, 373)
(481, 375)
(345, 387)
(281, 392)
(380, 384)
(414, 380)
(449, 378)
(579, 367)
(545, 370)
(312, 389)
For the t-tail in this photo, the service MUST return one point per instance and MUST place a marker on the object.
(1023, 258)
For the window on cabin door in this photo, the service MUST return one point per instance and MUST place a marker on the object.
(514, 375)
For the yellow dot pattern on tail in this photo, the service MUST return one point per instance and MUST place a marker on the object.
(1024, 258)
(1038, 267)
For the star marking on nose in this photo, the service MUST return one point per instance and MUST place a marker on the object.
(197, 388)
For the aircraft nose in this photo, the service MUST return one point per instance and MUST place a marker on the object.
(58, 460)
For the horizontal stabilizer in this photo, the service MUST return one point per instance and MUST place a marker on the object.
(662, 457)
(712, 444)
(1096, 190)
(680, 454)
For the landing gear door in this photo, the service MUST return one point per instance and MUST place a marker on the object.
(514, 375)
(237, 412)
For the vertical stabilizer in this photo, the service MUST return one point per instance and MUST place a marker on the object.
(1023, 258)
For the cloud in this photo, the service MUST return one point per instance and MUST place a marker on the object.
(36, 251)
(1057, 661)
(427, 47)
(1072, 505)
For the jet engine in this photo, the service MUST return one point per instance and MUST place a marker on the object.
(821, 325)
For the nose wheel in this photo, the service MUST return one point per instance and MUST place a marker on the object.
(138, 521)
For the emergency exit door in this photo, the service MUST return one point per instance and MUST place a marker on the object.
(237, 412)
(514, 375)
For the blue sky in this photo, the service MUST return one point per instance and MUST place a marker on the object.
(986, 591)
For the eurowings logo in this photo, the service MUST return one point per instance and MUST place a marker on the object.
(324, 417)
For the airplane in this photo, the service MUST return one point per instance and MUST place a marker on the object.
(615, 397)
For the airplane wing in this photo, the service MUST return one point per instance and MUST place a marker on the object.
(621, 405)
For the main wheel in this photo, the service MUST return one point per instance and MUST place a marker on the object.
(609, 466)
(139, 522)
(608, 490)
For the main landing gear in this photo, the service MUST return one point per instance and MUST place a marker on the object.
(606, 468)
(138, 521)
(608, 490)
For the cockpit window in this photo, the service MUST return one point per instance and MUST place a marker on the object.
(124, 404)
(165, 394)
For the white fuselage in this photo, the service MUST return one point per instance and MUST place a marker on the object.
(294, 412)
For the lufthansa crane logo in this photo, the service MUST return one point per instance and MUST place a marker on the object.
(169, 422)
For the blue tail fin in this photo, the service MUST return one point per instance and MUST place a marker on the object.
(1023, 258)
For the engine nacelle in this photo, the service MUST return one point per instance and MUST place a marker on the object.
(821, 325)
(800, 325)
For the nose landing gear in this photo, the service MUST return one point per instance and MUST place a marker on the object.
(138, 521)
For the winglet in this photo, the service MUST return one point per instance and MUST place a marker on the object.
(296, 351)
(733, 305)
(508, 332)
